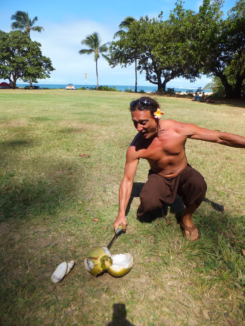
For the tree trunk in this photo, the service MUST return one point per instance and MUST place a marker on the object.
(229, 93)
(238, 88)
(97, 74)
(162, 86)
(135, 61)
(12, 83)
(30, 83)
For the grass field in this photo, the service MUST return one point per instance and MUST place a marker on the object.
(62, 157)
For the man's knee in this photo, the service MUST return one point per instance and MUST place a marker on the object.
(194, 189)
(149, 203)
(197, 183)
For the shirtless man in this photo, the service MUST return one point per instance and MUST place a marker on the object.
(162, 144)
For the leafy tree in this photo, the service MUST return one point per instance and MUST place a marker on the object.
(23, 22)
(217, 87)
(221, 45)
(161, 47)
(93, 41)
(21, 58)
(2, 33)
(163, 52)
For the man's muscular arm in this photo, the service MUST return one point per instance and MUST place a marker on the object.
(126, 187)
(224, 138)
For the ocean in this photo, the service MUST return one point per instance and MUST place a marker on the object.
(121, 88)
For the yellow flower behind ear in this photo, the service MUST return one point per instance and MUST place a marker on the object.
(158, 113)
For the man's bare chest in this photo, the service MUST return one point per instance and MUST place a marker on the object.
(167, 144)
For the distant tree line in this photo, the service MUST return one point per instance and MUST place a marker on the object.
(187, 44)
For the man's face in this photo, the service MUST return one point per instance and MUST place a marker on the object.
(145, 124)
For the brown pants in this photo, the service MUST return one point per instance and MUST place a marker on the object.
(189, 184)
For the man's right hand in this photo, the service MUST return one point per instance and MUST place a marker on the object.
(120, 220)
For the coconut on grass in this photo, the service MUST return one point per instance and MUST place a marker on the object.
(101, 260)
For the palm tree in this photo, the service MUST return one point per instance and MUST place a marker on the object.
(125, 24)
(93, 41)
(24, 22)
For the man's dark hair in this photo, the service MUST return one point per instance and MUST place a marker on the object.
(144, 103)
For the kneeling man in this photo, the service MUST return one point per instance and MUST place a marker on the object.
(162, 144)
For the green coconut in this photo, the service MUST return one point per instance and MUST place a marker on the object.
(98, 261)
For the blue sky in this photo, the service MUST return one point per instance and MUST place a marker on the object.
(67, 23)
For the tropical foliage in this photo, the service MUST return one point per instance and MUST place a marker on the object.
(93, 41)
(23, 22)
(186, 45)
(222, 53)
(21, 58)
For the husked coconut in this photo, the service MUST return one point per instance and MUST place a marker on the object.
(101, 260)
(121, 264)
(59, 273)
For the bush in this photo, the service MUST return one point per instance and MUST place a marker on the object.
(216, 87)
(107, 88)
(141, 91)
(81, 88)
(128, 90)
(189, 92)
(170, 91)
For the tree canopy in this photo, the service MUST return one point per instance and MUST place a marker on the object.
(23, 22)
(185, 45)
(221, 52)
(21, 58)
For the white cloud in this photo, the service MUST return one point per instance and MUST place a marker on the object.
(61, 43)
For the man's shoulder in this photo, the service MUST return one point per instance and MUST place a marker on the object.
(176, 126)
(169, 123)
(132, 152)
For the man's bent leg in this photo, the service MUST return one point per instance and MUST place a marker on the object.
(154, 194)
(192, 189)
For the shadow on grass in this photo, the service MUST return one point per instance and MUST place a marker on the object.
(32, 198)
(44, 118)
(15, 143)
(71, 130)
(119, 316)
(238, 103)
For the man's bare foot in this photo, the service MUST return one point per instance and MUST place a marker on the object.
(190, 233)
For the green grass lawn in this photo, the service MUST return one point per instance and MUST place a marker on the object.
(62, 156)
